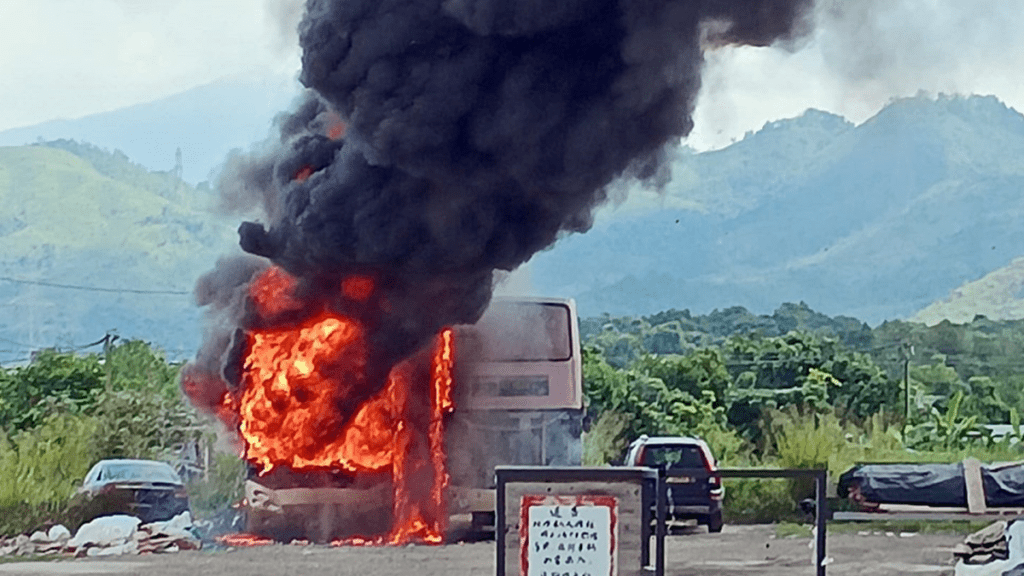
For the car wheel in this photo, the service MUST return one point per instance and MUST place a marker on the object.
(715, 522)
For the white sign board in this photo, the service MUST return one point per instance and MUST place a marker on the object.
(568, 536)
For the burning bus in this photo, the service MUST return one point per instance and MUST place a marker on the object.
(395, 466)
(437, 144)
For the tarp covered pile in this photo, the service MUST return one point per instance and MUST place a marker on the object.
(107, 536)
(938, 485)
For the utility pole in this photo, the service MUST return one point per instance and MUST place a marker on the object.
(108, 341)
(906, 351)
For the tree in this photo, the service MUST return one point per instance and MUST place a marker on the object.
(131, 391)
(53, 382)
(801, 369)
(651, 405)
(695, 373)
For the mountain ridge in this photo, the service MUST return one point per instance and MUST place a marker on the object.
(844, 226)
(876, 221)
(204, 122)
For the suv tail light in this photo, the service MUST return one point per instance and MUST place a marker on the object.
(715, 482)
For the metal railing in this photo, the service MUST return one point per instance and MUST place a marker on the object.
(820, 509)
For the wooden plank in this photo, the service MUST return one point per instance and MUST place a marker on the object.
(916, 508)
(936, 515)
(975, 488)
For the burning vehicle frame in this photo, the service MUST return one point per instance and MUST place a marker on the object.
(521, 404)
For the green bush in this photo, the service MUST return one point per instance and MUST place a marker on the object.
(143, 424)
(53, 383)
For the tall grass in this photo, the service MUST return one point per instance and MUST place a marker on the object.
(224, 485)
(40, 469)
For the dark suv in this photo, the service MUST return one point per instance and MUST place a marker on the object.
(689, 497)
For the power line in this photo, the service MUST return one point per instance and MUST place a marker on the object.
(93, 288)
(100, 341)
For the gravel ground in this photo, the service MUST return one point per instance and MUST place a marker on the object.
(738, 550)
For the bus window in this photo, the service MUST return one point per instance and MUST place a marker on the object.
(524, 331)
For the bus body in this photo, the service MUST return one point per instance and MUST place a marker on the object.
(518, 397)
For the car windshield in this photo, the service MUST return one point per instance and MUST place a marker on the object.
(140, 471)
(679, 456)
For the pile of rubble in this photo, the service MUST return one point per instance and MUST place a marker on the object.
(985, 545)
(996, 550)
(108, 536)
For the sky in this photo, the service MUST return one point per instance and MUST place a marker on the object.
(71, 58)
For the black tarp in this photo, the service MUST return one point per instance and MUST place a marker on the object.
(933, 484)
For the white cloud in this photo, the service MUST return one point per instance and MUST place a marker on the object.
(68, 58)
(862, 55)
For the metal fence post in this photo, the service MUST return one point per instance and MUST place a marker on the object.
(648, 493)
(659, 560)
(820, 514)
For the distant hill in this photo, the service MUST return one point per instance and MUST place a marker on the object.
(92, 243)
(874, 221)
(205, 122)
(997, 296)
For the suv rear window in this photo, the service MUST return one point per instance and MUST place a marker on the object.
(678, 456)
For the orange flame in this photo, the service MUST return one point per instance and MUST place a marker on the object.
(335, 126)
(243, 540)
(427, 521)
(285, 408)
(272, 292)
(357, 287)
(442, 405)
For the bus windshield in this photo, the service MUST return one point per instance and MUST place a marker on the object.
(525, 332)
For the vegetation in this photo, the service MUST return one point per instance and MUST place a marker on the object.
(91, 243)
(117, 166)
(798, 389)
(62, 412)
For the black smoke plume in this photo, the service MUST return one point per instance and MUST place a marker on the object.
(476, 132)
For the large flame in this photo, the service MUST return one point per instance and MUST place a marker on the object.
(293, 376)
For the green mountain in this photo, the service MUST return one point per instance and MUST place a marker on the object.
(91, 243)
(874, 221)
(997, 296)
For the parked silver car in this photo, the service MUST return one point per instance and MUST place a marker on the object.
(148, 489)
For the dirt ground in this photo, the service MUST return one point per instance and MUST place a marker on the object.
(737, 551)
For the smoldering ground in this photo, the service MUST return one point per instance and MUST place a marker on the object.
(475, 133)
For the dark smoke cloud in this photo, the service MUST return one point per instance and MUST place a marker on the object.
(477, 132)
